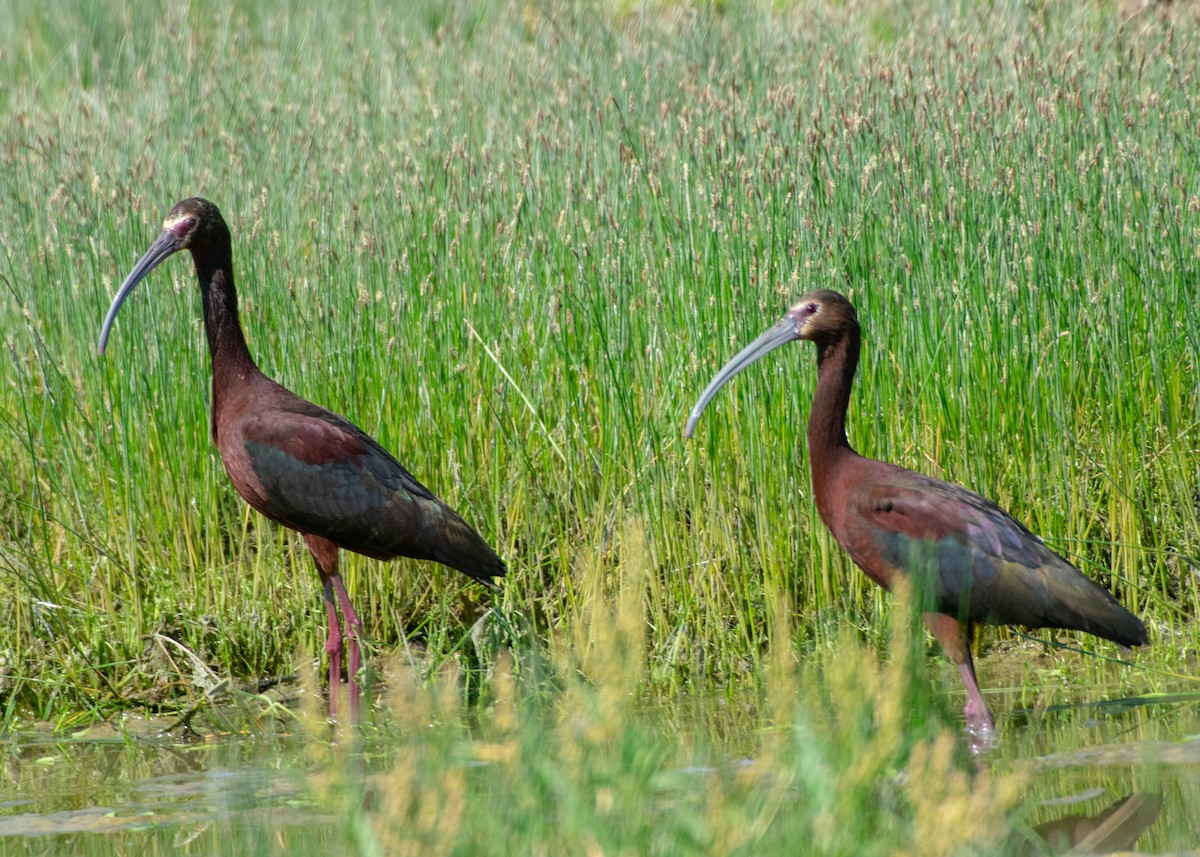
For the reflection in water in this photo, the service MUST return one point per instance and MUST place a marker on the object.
(1138, 753)
(1116, 828)
(1090, 746)
(287, 792)
(61, 786)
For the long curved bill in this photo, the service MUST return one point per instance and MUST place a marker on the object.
(782, 333)
(164, 245)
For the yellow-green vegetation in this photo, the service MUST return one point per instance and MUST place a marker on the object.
(843, 768)
(512, 241)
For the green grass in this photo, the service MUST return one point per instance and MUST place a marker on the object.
(514, 243)
(515, 248)
(849, 756)
(565, 771)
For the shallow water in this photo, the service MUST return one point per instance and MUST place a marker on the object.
(135, 790)
(1088, 746)
(103, 792)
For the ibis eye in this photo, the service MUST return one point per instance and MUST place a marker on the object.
(182, 227)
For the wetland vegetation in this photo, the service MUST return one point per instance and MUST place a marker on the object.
(512, 241)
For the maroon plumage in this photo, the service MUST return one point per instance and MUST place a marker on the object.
(295, 462)
(968, 559)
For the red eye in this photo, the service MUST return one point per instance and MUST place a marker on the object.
(182, 227)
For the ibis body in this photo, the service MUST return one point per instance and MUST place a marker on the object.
(297, 463)
(968, 560)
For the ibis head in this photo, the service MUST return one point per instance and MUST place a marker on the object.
(191, 223)
(818, 316)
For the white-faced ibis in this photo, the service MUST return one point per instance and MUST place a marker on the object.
(969, 559)
(299, 464)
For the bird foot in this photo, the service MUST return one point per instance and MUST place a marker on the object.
(982, 739)
(333, 648)
(982, 736)
(981, 729)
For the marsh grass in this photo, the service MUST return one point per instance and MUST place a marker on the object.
(851, 758)
(514, 241)
(846, 757)
(845, 751)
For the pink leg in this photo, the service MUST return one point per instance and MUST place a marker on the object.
(353, 631)
(325, 553)
(955, 638)
(980, 727)
(333, 646)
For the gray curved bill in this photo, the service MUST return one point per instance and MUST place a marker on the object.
(781, 334)
(164, 245)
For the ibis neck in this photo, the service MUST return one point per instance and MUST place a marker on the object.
(226, 343)
(837, 360)
(232, 365)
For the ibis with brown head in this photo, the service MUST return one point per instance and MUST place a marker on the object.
(299, 464)
(968, 560)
